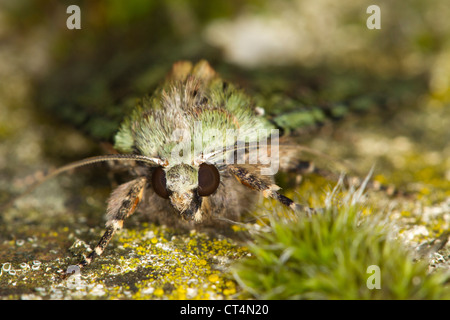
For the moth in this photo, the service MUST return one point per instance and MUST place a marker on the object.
(199, 153)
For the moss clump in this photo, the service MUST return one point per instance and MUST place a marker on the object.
(328, 257)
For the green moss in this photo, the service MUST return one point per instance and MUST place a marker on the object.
(328, 256)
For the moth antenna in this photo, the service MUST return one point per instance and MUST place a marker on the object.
(82, 163)
(212, 156)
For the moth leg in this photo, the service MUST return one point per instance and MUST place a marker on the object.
(265, 185)
(122, 203)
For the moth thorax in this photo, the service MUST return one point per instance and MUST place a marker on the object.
(182, 178)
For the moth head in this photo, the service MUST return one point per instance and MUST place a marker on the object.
(185, 186)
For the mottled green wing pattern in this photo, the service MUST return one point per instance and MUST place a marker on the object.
(293, 99)
(296, 99)
(195, 99)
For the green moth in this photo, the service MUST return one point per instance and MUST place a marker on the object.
(198, 151)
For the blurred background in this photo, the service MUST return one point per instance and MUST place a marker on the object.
(310, 64)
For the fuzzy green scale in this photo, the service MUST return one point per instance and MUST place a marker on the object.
(194, 111)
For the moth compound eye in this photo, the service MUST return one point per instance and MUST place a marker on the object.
(208, 179)
(159, 183)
